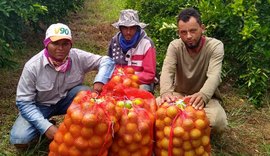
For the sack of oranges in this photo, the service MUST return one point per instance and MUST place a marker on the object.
(122, 78)
(135, 135)
(87, 127)
(181, 130)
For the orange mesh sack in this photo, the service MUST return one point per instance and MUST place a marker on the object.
(181, 130)
(87, 128)
(135, 136)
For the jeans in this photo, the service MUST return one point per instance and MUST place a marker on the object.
(24, 132)
(148, 87)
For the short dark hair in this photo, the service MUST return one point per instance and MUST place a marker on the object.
(187, 13)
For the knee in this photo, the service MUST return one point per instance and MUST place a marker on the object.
(77, 89)
(218, 122)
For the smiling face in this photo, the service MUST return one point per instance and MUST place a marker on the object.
(128, 32)
(59, 49)
(190, 32)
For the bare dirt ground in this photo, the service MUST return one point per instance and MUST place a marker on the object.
(249, 128)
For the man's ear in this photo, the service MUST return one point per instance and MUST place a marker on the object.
(203, 28)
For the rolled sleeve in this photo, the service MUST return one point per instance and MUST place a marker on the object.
(106, 68)
(31, 113)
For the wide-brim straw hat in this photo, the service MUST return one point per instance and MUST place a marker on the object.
(129, 18)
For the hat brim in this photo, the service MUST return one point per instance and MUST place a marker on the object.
(117, 25)
(56, 38)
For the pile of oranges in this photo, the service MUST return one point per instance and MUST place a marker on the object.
(124, 120)
(181, 130)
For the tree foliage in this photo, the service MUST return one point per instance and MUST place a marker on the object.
(18, 16)
(243, 27)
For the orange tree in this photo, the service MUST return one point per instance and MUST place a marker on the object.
(19, 16)
(243, 27)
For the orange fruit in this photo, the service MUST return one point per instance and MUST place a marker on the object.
(167, 121)
(189, 153)
(200, 124)
(58, 137)
(62, 128)
(81, 143)
(177, 151)
(177, 142)
(136, 153)
(77, 116)
(68, 139)
(200, 114)
(172, 111)
(187, 124)
(164, 152)
(131, 127)
(186, 136)
(127, 82)
(132, 116)
(178, 131)
(199, 150)
(196, 143)
(87, 132)
(116, 79)
(129, 70)
(195, 133)
(143, 127)
(146, 140)
(67, 121)
(87, 105)
(137, 137)
(123, 152)
(101, 128)
(161, 113)
(137, 101)
(145, 151)
(89, 119)
(95, 141)
(160, 124)
(63, 149)
(205, 140)
(133, 147)
(165, 143)
(135, 85)
(128, 138)
(160, 134)
(187, 145)
(120, 103)
(167, 131)
(53, 146)
(73, 151)
(73, 107)
(134, 78)
(75, 130)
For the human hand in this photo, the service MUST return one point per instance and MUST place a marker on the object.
(196, 101)
(98, 87)
(51, 132)
(169, 97)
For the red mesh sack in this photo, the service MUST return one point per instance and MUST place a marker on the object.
(122, 78)
(181, 130)
(87, 127)
(135, 136)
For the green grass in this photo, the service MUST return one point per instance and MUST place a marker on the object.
(249, 128)
(95, 13)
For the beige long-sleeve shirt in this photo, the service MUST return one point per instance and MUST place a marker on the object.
(187, 75)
